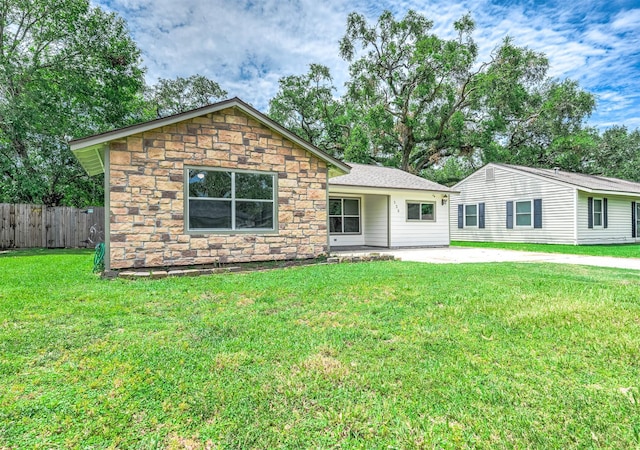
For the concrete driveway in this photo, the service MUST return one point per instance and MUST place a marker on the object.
(459, 255)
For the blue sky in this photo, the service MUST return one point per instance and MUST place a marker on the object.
(247, 45)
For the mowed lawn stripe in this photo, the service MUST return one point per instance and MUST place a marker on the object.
(368, 355)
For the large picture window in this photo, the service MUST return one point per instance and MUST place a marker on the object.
(229, 200)
(421, 211)
(344, 215)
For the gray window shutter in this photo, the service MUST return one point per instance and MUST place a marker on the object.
(537, 213)
(460, 216)
(480, 215)
(633, 219)
(590, 212)
(509, 214)
(605, 213)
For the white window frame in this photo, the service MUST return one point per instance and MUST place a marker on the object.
(600, 213)
(515, 213)
(234, 229)
(420, 203)
(476, 215)
(343, 215)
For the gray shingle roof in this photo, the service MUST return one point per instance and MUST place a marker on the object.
(385, 177)
(580, 180)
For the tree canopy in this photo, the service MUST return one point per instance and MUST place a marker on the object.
(168, 97)
(305, 104)
(413, 100)
(424, 99)
(429, 105)
(67, 69)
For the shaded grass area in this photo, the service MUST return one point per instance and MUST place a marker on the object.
(616, 250)
(370, 355)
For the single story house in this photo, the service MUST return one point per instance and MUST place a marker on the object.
(226, 184)
(507, 203)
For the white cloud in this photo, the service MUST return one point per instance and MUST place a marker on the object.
(247, 45)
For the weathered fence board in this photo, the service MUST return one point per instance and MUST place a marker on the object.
(29, 226)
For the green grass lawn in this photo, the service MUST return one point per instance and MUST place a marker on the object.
(371, 355)
(617, 250)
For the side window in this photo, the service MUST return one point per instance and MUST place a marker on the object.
(597, 212)
(524, 214)
(470, 215)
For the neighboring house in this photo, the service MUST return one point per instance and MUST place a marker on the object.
(226, 184)
(506, 203)
(387, 207)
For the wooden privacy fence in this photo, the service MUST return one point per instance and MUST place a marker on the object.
(29, 226)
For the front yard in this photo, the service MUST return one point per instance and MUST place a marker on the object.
(369, 355)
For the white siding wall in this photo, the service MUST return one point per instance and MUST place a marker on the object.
(619, 220)
(558, 218)
(406, 233)
(376, 219)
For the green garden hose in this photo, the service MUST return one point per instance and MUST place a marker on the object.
(98, 258)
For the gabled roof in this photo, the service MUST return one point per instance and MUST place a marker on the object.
(590, 183)
(90, 150)
(364, 175)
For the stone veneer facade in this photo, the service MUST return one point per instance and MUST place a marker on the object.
(146, 179)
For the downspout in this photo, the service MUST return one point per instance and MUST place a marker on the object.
(327, 213)
(388, 221)
(575, 217)
(107, 210)
(448, 203)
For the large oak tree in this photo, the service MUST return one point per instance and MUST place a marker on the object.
(424, 99)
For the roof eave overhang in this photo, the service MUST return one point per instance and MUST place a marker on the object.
(353, 188)
(102, 140)
(606, 192)
(91, 158)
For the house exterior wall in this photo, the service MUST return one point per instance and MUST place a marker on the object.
(406, 233)
(384, 218)
(376, 220)
(558, 207)
(146, 191)
(619, 227)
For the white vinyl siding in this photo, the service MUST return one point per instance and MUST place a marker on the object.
(417, 233)
(618, 220)
(558, 217)
(376, 219)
